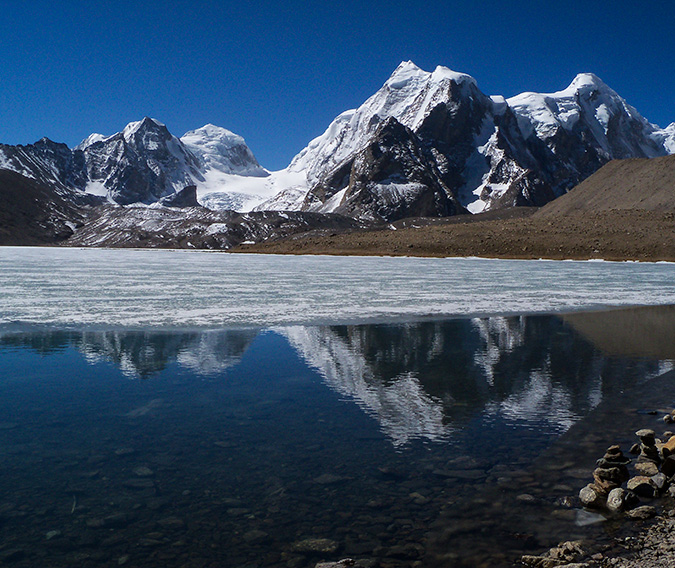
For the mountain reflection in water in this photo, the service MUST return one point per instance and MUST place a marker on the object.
(409, 444)
(423, 380)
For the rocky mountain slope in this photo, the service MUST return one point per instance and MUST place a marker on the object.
(36, 213)
(158, 226)
(486, 152)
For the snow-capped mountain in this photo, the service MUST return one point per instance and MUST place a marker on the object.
(224, 151)
(425, 144)
(227, 168)
(487, 152)
(145, 163)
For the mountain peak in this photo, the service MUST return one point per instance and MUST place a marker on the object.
(587, 81)
(406, 67)
(212, 132)
(145, 125)
(441, 73)
(407, 73)
(222, 150)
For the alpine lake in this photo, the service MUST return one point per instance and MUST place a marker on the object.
(433, 442)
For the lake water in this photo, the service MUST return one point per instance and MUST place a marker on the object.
(210, 434)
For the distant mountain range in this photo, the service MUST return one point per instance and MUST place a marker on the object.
(425, 144)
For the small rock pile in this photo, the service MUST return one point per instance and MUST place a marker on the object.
(565, 554)
(655, 472)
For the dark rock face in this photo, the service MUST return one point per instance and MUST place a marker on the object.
(186, 197)
(46, 162)
(391, 178)
(441, 155)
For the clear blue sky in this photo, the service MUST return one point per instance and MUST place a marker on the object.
(278, 72)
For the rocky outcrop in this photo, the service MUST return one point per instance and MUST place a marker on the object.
(391, 178)
(48, 163)
(186, 197)
(198, 228)
(143, 163)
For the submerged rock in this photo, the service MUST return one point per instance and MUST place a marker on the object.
(641, 513)
(563, 554)
(256, 536)
(143, 471)
(340, 564)
(315, 545)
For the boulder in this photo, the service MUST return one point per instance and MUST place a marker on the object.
(641, 513)
(591, 497)
(668, 466)
(607, 479)
(642, 486)
(648, 468)
(669, 447)
(616, 500)
(660, 481)
(621, 500)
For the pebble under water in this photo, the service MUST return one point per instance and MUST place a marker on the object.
(443, 443)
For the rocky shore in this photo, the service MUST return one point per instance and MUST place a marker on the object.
(640, 491)
(649, 493)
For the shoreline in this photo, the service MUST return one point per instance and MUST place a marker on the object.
(39, 327)
(612, 236)
(253, 250)
(639, 535)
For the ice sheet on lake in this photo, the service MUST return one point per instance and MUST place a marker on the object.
(152, 288)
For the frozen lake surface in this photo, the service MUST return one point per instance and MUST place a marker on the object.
(159, 288)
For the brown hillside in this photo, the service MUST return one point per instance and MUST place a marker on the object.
(637, 184)
(31, 213)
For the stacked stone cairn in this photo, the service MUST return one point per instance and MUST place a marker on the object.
(655, 472)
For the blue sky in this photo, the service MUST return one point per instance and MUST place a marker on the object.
(278, 72)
